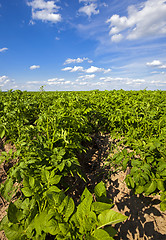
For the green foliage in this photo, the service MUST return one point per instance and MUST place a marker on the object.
(49, 129)
(27, 218)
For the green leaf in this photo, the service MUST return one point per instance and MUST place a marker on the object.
(133, 170)
(69, 208)
(163, 205)
(75, 219)
(145, 176)
(61, 166)
(31, 181)
(83, 208)
(39, 222)
(3, 222)
(57, 197)
(160, 185)
(55, 180)
(151, 188)
(136, 163)
(98, 207)
(25, 206)
(10, 151)
(112, 232)
(4, 153)
(100, 189)
(14, 232)
(109, 217)
(45, 175)
(52, 227)
(64, 228)
(86, 194)
(27, 191)
(129, 181)
(91, 238)
(125, 162)
(139, 189)
(102, 234)
(7, 189)
(26, 181)
(161, 167)
(163, 173)
(156, 143)
(90, 221)
(163, 196)
(14, 214)
(150, 159)
(54, 189)
(2, 131)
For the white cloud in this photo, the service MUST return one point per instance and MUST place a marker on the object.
(44, 15)
(163, 66)
(35, 82)
(107, 70)
(124, 80)
(55, 83)
(147, 20)
(45, 11)
(67, 69)
(156, 82)
(92, 69)
(42, 4)
(4, 81)
(98, 83)
(110, 79)
(89, 9)
(67, 82)
(77, 69)
(139, 80)
(156, 63)
(104, 4)
(3, 78)
(74, 69)
(83, 83)
(34, 67)
(3, 49)
(87, 77)
(77, 60)
(117, 38)
(135, 81)
(56, 79)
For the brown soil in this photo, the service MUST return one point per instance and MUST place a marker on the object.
(145, 220)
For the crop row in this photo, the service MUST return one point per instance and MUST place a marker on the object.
(48, 130)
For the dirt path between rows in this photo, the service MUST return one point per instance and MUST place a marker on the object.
(145, 220)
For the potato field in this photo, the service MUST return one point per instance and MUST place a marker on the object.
(52, 186)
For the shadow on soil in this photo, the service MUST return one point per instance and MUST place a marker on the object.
(145, 220)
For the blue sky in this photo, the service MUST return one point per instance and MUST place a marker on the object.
(82, 44)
